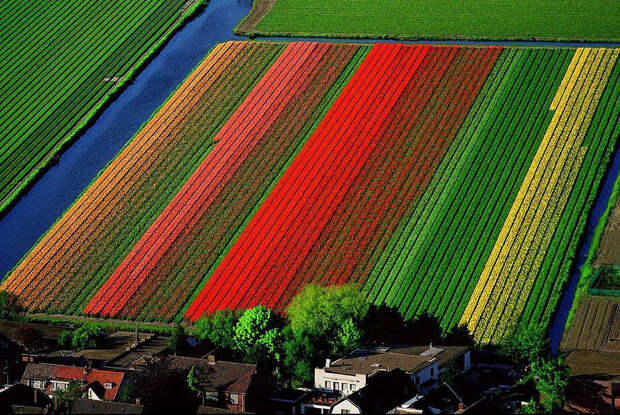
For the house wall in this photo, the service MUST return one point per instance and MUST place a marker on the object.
(307, 407)
(239, 406)
(321, 376)
(345, 405)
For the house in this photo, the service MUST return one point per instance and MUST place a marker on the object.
(96, 384)
(381, 396)
(422, 364)
(223, 384)
(24, 399)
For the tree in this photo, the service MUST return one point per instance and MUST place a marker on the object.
(551, 378)
(219, 328)
(349, 336)
(253, 324)
(29, 336)
(177, 339)
(299, 359)
(65, 338)
(192, 380)
(331, 316)
(66, 397)
(88, 336)
(9, 306)
(525, 345)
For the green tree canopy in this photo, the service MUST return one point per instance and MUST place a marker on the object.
(318, 310)
(218, 328)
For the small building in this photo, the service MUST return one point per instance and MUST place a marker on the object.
(223, 384)
(97, 384)
(24, 399)
(381, 396)
(422, 363)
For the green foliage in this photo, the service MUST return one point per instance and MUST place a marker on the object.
(177, 339)
(218, 328)
(65, 338)
(551, 378)
(525, 345)
(192, 380)
(411, 19)
(67, 396)
(300, 357)
(9, 307)
(315, 310)
(349, 336)
(253, 324)
(87, 336)
(126, 393)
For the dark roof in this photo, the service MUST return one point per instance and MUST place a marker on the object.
(38, 371)
(441, 353)
(22, 395)
(369, 362)
(221, 375)
(386, 391)
(86, 406)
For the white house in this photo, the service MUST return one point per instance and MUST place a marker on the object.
(346, 376)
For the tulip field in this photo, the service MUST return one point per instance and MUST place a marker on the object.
(449, 180)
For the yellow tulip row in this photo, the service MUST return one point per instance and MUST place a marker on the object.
(514, 263)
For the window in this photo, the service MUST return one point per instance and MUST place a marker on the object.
(344, 387)
(233, 398)
(336, 386)
(328, 384)
(345, 411)
(59, 386)
(353, 388)
(37, 384)
(211, 396)
(108, 385)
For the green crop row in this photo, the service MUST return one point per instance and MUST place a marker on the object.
(53, 87)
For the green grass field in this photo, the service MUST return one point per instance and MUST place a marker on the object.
(566, 20)
(61, 61)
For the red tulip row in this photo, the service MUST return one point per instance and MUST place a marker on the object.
(283, 231)
(171, 258)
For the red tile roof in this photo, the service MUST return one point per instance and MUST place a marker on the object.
(70, 373)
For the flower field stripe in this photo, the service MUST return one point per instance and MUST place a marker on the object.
(398, 281)
(464, 84)
(130, 274)
(219, 221)
(166, 129)
(373, 56)
(547, 186)
(504, 114)
(118, 168)
(375, 173)
(200, 129)
(374, 282)
(367, 223)
(597, 82)
(145, 172)
(223, 159)
(289, 201)
(338, 189)
(600, 140)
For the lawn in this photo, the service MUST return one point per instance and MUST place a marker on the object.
(571, 20)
